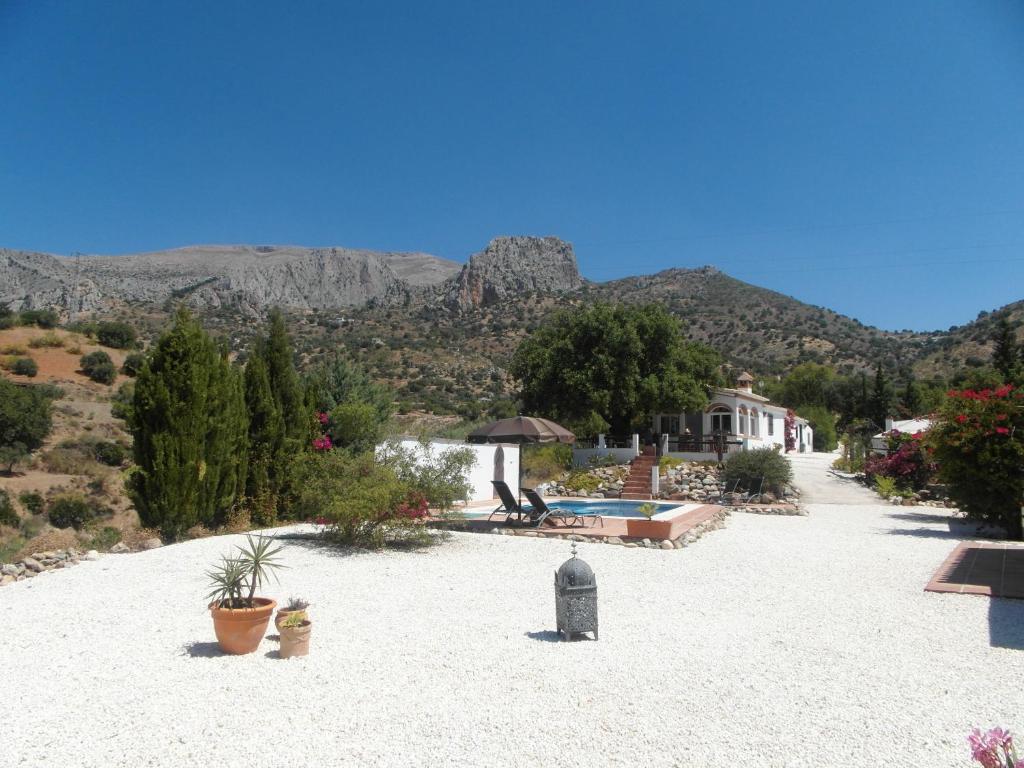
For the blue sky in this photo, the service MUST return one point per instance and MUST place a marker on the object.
(865, 156)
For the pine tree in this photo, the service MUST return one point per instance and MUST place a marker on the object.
(189, 426)
(1006, 356)
(266, 443)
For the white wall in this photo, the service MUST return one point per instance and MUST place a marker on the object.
(483, 471)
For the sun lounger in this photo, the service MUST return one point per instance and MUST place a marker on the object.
(509, 504)
(542, 514)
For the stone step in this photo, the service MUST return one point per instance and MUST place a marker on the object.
(636, 496)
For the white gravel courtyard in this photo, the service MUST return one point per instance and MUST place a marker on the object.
(777, 641)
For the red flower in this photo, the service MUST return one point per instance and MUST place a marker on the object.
(960, 419)
(1002, 431)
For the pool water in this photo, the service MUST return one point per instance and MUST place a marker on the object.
(610, 507)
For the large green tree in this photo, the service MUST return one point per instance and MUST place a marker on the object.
(25, 421)
(809, 384)
(613, 362)
(276, 351)
(189, 426)
(340, 381)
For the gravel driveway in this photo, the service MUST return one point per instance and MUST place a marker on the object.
(778, 641)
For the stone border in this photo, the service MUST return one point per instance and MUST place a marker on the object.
(713, 523)
(772, 509)
(41, 562)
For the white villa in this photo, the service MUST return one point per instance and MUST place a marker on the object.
(737, 416)
(735, 420)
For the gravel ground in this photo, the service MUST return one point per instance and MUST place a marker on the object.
(778, 641)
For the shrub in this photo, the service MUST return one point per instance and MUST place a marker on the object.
(978, 442)
(133, 364)
(111, 454)
(105, 538)
(665, 463)
(582, 480)
(25, 366)
(70, 510)
(115, 334)
(356, 426)
(8, 516)
(43, 318)
(907, 462)
(121, 402)
(885, 486)
(823, 424)
(545, 462)
(99, 367)
(50, 339)
(752, 468)
(13, 349)
(25, 420)
(32, 502)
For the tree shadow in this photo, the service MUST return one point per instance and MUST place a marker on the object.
(919, 517)
(203, 650)
(925, 533)
(275, 654)
(1006, 623)
(323, 545)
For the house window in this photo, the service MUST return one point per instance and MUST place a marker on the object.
(771, 424)
(721, 421)
(754, 422)
(670, 425)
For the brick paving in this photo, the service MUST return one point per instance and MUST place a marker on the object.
(992, 568)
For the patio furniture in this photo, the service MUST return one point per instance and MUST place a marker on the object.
(542, 513)
(509, 505)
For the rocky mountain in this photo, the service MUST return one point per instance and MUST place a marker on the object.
(249, 278)
(514, 266)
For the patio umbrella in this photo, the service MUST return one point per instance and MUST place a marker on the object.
(519, 430)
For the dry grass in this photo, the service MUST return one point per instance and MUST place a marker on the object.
(48, 340)
(133, 536)
(13, 349)
(50, 539)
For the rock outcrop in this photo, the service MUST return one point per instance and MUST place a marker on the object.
(511, 266)
(247, 277)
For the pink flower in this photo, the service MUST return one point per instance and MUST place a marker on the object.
(1002, 431)
(323, 418)
(960, 419)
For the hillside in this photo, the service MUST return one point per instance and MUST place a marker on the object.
(441, 333)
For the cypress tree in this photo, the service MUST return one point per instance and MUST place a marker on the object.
(1006, 356)
(266, 443)
(275, 356)
(189, 427)
(881, 399)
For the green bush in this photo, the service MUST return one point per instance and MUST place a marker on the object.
(8, 516)
(582, 480)
(751, 468)
(25, 366)
(133, 364)
(111, 454)
(121, 402)
(105, 538)
(99, 367)
(541, 463)
(665, 463)
(44, 318)
(823, 422)
(115, 334)
(886, 486)
(356, 426)
(49, 340)
(32, 502)
(70, 510)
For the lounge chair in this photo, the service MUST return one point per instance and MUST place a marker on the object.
(509, 504)
(542, 514)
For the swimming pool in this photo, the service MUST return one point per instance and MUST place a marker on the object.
(615, 507)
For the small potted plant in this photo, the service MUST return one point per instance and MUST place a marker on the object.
(295, 632)
(240, 618)
(295, 605)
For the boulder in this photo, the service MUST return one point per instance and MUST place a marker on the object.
(31, 564)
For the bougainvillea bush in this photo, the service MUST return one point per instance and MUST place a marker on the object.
(790, 430)
(909, 462)
(978, 443)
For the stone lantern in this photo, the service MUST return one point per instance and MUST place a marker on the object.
(575, 597)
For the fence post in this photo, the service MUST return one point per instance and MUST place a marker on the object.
(600, 441)
(655, 481)
(636, 444)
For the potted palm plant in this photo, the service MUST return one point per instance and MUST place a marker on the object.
(294, 605)
(295, 632)
(240, 618)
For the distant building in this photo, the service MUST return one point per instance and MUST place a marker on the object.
(880, 442)
(735, 416)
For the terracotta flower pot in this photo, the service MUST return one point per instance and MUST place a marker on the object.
(295, 640)
(283, 613)
(239, 630)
